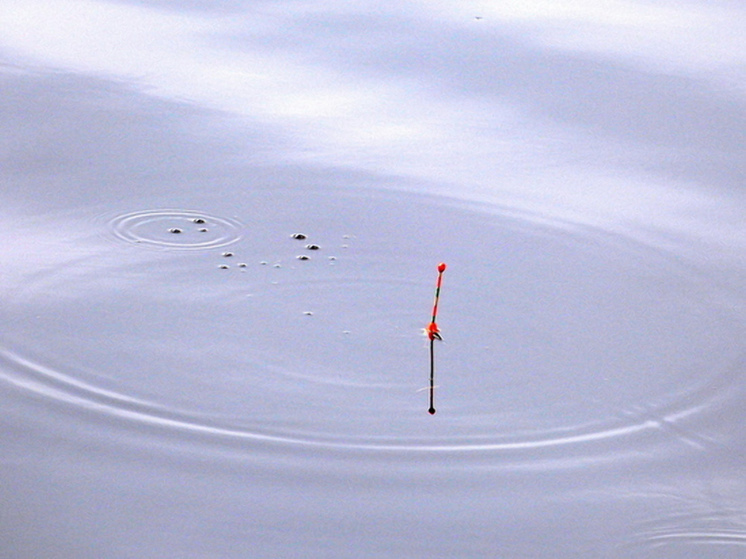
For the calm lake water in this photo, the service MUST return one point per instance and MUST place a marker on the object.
(181, 376)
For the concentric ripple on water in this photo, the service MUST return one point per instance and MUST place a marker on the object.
(176, 229)
(555, 335)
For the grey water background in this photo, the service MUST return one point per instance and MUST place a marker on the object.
(207, 393)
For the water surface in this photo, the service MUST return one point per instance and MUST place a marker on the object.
(176, 381)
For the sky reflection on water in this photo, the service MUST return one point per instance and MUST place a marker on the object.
(581, 170)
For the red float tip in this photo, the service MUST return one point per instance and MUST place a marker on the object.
(442, 267)
(433, 332)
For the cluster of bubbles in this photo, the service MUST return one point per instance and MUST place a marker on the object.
(197, 220)
(195, 230)
(311, 247)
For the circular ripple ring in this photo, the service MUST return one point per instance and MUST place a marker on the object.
(156, 229)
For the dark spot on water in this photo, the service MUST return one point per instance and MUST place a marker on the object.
(242, 264)
(202, 230)
(299, 236)
(227, 254)
(313, 247)
(223, 266)
(174, 230)
(198, 220)
(303, 257)
(263, 262)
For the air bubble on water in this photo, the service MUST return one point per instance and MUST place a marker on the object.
(277, 265)
(242, 264)
(299, 236)
(223, 266)
(227, 254)
(313, 247)
(263, 262)
(303, 257)
(148, 227)
(307, 313)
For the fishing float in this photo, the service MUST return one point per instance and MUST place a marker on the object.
(433, 332)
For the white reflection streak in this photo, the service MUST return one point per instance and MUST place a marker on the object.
(683, 37)
(181, 57)
(486, 149)
(192, 58)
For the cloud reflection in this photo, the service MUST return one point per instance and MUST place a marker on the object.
(573, 110)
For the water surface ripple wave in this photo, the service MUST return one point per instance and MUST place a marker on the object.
(175, 229)
(328, 352)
